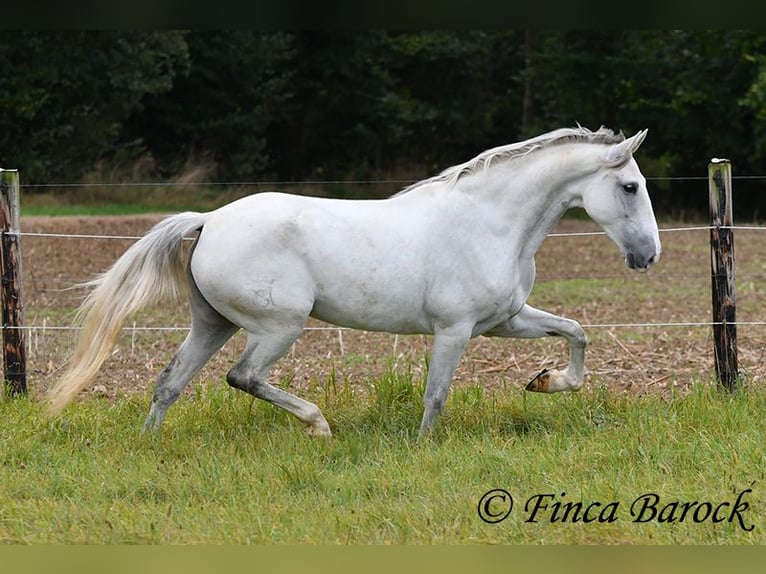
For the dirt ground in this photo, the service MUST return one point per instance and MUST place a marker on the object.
(634, 359)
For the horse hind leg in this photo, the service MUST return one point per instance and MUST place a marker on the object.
(250, 372)
(209, 331)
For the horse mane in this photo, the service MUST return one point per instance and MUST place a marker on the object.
(510, 151)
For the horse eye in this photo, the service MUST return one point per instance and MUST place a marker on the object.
(630, 187)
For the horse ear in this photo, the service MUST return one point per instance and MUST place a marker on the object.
(637, 140)
(618, 154)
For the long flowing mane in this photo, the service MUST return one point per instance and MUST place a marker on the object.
(510, 151)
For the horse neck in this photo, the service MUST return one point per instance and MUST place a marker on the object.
(530, 194)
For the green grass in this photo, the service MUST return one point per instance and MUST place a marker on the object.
(126, 200)
(580, 291)
(96, 209)
(227, 469)
(115, 199)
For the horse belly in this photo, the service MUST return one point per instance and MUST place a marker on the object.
(369, 299)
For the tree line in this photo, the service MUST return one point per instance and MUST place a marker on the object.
(375, 104)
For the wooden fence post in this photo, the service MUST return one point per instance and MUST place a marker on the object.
(14, 349)
(722, 273)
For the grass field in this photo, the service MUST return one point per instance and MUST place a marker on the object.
(228, 470)
(648, 426)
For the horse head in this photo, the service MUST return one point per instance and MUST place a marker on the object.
(616, 197)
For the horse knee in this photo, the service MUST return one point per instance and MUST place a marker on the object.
(577, 336)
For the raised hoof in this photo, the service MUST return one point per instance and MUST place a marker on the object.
(539, 384)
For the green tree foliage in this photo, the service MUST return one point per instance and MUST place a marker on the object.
(222, 109)
(355, 104)
(338, 109)
(445, 92)
(686, 87)
(65, 95)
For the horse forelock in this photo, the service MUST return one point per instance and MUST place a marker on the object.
(519, 149)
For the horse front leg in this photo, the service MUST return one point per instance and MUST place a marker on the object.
(531, 323)
(447, 348)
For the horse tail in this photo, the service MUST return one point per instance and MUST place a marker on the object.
(152, 269)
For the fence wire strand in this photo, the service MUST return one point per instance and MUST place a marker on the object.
(317, 182)
(135, 329)
(564, 234)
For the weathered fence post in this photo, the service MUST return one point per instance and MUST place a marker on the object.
(14, 349)
(722, 273)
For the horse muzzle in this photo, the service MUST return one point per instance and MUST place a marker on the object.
(641, 262)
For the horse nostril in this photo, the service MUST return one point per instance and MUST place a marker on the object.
(636, 262)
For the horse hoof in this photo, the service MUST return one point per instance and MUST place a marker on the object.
(539, 383)
(321, 429)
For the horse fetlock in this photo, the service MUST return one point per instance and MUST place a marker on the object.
(426, 428)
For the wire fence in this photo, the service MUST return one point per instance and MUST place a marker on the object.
(607, 326)
(392, 182)
(568, 234)
(317, 182)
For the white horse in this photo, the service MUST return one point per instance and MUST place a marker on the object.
(451, 256)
